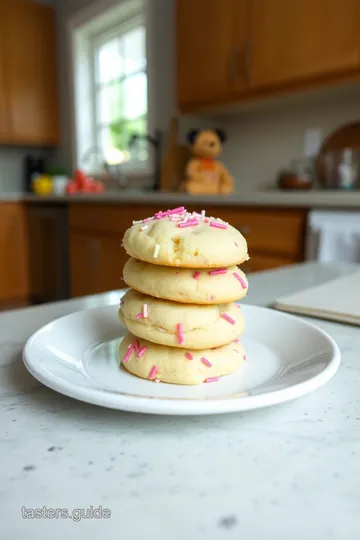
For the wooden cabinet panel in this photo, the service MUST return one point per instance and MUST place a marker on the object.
(207, 55)
(48, 252)
(4, 125)
(267, 230)
(14, 277)
(96, 263)
(302, 39)
(30, 70)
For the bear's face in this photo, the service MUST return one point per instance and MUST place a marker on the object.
(206, 144)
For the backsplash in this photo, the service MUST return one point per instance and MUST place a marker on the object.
(11, 167)
(267, 137)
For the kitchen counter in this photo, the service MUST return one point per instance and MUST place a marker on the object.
(309, 199)
(285, 472)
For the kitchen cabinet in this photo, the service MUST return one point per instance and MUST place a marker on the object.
(96, 263)
(48, 252)
(303, 39)
(14, 271)
(237, 50)
(207, 55)
(275, 238)
(28, 74)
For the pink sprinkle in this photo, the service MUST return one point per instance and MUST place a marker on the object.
(128, 353)
(237, 305)
(228, 318)
(212, 379)
(145, 311)
(244, 356)
(189, 356)
(176, 210)
(218, 225)
(142, 351)
(237, 245)
(190, 223)
(180, 333)
(212, 297)
(153, 372)
(238, 277)
(146, 220)
(159, 215)
(139, 316)
(137, 346)
(196, 275)
(218, 272)
(236, 340)
(206, 361)
(206, 220)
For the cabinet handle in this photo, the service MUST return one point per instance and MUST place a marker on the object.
(244, 230)
(248, 60)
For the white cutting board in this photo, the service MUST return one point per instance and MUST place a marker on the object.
(337, 300)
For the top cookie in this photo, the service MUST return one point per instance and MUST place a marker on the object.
(188, 240)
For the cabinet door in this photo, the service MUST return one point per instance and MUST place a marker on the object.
(31, 72)
(47, 233)
(14, 278)
(206, 65)
(302, 39)
(96, 263)
(4, 127)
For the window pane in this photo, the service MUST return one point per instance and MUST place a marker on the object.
(110, 103)
(109, 62)
(135, 96)
(134, 50)
(114, 144)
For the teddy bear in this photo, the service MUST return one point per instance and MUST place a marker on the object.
(204, 173)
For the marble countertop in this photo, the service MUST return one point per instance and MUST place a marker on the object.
(288, 472)
(309, 199)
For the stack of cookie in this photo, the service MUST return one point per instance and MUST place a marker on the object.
(183, 322)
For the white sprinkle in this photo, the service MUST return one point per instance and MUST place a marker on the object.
(203, 213)
(156, 251)
(145, 311)
(136, 222)
(157, 380)
(144, 227)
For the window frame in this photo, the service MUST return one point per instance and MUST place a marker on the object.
(96, 41)
(101, 19)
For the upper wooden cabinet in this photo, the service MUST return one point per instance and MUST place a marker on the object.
(206, 54)
(28, 74)
(234, 50)
(302, 39)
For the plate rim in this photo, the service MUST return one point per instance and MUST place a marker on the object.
(178, 406)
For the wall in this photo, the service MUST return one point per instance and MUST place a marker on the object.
(267, 137)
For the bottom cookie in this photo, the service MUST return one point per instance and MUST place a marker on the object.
(178, 366)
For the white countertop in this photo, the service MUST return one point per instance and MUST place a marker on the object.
(308, 199)
(288, 472)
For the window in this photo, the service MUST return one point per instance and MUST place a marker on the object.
(110, 86)
(120, 91)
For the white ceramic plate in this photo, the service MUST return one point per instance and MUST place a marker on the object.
(77, 355)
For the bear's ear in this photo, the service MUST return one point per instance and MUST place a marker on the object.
(191, 135)
(221, 134)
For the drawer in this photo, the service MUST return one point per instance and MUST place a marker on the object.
(107, 218)
(259, 262)
(275, 231)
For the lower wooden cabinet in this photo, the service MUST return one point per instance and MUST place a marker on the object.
(14, 269)
(275, 238)
(97, 261)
